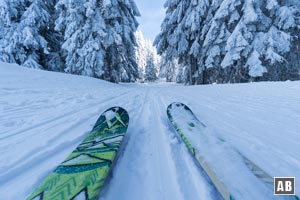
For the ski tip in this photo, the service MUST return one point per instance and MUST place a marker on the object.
(111, 113)
(175, 105)
(181, 107)
(115, 109)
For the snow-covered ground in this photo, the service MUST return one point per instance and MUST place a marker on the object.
(45, 115)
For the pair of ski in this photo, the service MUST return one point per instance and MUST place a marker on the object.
(83, 173)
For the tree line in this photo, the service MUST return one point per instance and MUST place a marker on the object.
(85, 37)
(201, 41)
(232, 41)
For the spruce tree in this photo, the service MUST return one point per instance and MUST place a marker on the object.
(54, 59)
(120, 61)
(83, 28)
(144, 50)
(168, 69)
(179, 31)
(22, 39)
(141, 54)
(10, 14)
(151, 73)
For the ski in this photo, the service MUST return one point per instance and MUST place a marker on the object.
(83, 173)
(233, 175)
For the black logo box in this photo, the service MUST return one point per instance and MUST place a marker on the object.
(281, 184)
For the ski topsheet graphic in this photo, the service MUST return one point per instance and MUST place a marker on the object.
(83, 173)
(234, 175)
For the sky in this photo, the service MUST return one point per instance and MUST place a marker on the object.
(152, 15)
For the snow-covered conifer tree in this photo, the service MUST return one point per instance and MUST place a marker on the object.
(168, 69)
(22, 41)
(141, 54)
(120, 61)
(83, 27)
(54, 59)
(179, 33)
(180, 74)
(10, 13)
(150, 72)
(260, 38)
(144, 50)
(33, 22)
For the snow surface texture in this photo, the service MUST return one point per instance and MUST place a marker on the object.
(45, 115)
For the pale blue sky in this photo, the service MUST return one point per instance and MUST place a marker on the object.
(152, 15)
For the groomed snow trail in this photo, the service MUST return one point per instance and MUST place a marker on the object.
(45, 115)
(149, 168)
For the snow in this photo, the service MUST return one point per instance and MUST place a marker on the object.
(45, 115)
(255, 65)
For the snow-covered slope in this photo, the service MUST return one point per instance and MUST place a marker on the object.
(45, 115)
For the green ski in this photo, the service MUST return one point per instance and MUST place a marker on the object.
(83, 173)
(220, 161)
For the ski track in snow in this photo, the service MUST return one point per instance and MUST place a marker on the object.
(44, 116)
